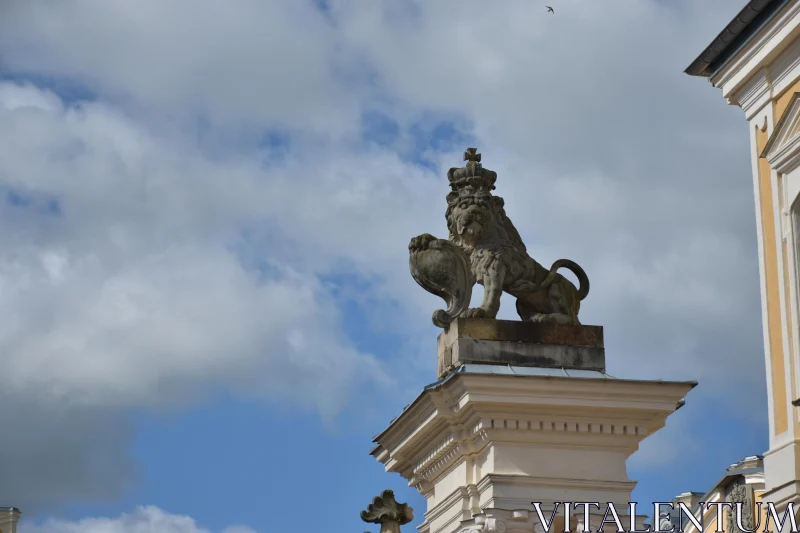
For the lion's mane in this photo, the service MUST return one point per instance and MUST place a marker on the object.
(499, 240)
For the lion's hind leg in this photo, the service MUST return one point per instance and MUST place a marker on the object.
(561, 307)
(565, 303)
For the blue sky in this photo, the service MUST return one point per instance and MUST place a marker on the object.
(207, 207)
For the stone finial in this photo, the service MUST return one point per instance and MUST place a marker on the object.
(385, 510)
(471, 156)
(484, 247)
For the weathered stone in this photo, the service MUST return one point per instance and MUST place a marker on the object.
(387, 512)
(484, 247)
(506, 342)
(9, 517)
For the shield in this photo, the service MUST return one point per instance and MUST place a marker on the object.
(442, 268)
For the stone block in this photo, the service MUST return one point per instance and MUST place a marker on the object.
(509, 342)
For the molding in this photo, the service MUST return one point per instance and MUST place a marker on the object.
(782, 150)
(787, 158)
(449, 503)
(784, 444)
(793, 219)
(479, 441)
(780, 482)
(601, 414)
(762, 122)
(755, 94)
(765, 45)
(783, 494)
(550, 482)
(786, 68)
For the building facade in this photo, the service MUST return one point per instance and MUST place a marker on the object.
(741, 482)
(755, 62)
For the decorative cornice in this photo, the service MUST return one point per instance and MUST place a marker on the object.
(754, 95)
(430, 473)
(784, 65)
(733, 72)
(532, 481)
(462, 419)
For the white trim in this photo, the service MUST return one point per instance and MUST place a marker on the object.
(756, 124)
(787, 358)
(779, 467)
(787, 158)
(762, 48)
(784, 157)
(755, 94)
(784, 150)
(793, 199)
(786, 68)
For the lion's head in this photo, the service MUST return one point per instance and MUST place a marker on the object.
(469, 216)
(475, 217)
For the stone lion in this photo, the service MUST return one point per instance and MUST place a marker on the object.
(498, 260)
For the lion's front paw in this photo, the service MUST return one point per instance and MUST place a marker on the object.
(475, 312)
(421, 242)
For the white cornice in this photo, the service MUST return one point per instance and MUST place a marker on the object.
(783, 147)
(760, 50)
(754, 95)
(470, 412)
(784, 65)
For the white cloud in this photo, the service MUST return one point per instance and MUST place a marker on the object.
(133, 286)
(138, 289)
(249, 61)
(143, 520)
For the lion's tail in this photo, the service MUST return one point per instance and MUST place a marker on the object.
(583, 279)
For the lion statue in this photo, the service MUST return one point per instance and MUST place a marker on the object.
(497, 257)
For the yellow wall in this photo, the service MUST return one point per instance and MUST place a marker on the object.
(773, 288)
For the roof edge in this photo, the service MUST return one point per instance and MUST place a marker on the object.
(735, 35)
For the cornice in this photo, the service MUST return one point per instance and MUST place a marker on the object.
(755, 94)
(567, 483)
(471, 412)
(769, 41)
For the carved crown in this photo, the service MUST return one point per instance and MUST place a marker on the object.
(473, 174)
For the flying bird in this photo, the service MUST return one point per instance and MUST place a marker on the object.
(550, 10)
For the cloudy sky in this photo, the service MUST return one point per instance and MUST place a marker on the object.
(207, 310)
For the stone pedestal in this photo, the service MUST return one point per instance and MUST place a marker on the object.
(493, 436)
(509, 342)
